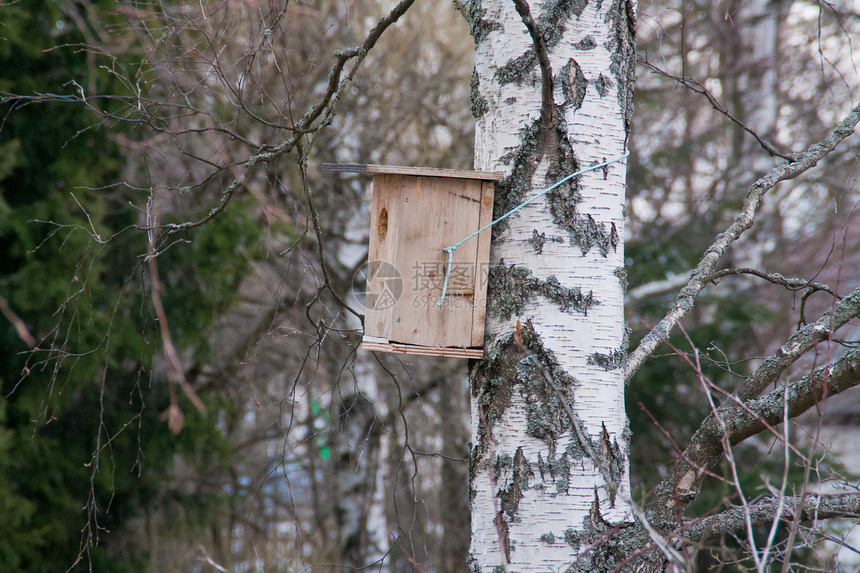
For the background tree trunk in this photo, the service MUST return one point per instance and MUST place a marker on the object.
(550, 441)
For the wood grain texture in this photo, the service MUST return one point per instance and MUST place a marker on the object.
(412, 219)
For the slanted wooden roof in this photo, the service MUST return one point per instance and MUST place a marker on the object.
(417, 171)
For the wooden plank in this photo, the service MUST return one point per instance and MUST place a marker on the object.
(433, 221)
(425, 350)
(417, 171)
(482, 269)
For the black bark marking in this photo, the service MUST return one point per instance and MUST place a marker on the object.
(612, 457)
(573, 84)
(510, 497)
(515, 286)
(519, 70)
(611, 361)
(586, 233)
(537, 241)
(478, 104)
(602, 84)
(587, 43)
(621, 274)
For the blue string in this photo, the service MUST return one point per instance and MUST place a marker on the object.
(450, 250)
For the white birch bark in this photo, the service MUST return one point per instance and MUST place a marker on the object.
(534, 489)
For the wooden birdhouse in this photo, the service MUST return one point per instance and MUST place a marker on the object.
(417, 212)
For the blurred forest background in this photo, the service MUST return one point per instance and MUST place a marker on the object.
(181, 385)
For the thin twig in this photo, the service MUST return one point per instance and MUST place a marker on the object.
(327, 283)
(697, 87)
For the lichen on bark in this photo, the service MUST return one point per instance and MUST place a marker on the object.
(573, 84)
(514, 286)
(556, 12)
(610, 361)
(479, 26)
(519, 70)
(623, 49)
(479, 105)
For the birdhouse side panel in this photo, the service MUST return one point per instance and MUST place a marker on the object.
(482, 265)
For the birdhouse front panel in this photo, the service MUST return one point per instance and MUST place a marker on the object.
(412, 220)
(417, 212)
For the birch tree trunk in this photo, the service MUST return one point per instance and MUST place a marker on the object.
(552, 93)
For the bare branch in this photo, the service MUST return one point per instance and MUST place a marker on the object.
(175, 371)
(743, 221)
(20, 326)
(542, 54)
(303, 166)
(742, 421)
(790, 283)
(803, 394)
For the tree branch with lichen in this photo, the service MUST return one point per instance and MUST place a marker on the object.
(803, 508)
(799, 343)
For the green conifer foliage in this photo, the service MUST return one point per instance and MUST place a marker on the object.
(83, 446)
